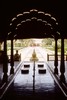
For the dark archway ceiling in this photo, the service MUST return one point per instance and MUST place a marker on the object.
(34, 23)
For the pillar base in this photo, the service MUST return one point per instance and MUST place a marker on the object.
(5, 78)
(12, 71)
(62, 78)
(56, 71)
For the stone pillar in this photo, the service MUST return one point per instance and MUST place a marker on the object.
(5, 62)
(56, 58)
(62, 64)
(0, 45)
(12, 61)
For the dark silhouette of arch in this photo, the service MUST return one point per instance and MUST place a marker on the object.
(33, 22)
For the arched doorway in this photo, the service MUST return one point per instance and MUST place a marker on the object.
(35, 24)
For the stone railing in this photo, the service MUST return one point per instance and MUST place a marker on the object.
(51, 57)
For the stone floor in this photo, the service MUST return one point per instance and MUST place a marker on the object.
(42, 86)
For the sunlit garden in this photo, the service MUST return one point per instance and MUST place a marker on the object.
(48, 43)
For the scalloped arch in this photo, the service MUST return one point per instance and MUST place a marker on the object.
(34, 15)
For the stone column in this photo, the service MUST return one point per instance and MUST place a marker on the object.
(5, 62)
(0, 45)
(56, 58)
(62, 64)
(12, 61)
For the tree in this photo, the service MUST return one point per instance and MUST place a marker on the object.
(47, 41)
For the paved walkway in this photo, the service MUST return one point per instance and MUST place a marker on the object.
(23, 53)
(38, 87)
(30, 87)
(44, 53)
(43, 87)
(51, 64)
(9, 67)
